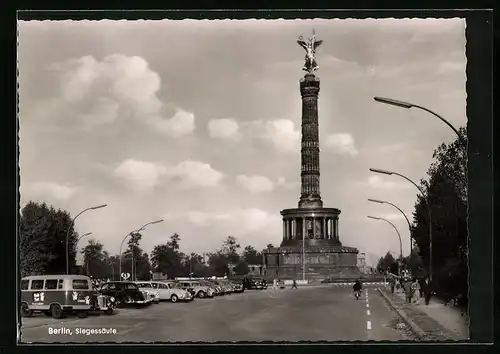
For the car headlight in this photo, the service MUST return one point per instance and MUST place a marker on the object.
(112, 299)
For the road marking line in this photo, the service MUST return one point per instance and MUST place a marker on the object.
(368, 325)
(367, 305)
(368, 312)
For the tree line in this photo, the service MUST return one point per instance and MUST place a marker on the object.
(446, 193)
(42, 250)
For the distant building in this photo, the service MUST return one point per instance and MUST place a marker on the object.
(361, 263)
(255, 270)
(79, 259)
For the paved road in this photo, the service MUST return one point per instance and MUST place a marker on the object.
(324, 313)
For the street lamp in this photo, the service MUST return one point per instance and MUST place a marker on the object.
(409, 105)
(400, 243)
(402, 212)
(79, 238)
(87, 234)
(71, 226)
(130, 233)
(385, 172)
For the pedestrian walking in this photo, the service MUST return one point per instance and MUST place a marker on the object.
(407, 291)
(393, 285)
(421, 287)
(427, 289)
(415, 287)
(294, 284)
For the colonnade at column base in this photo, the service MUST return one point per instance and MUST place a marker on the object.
(337, 262)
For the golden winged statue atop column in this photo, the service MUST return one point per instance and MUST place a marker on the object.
(310, 47)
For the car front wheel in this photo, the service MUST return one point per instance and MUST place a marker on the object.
(25, 311)
(201, 294)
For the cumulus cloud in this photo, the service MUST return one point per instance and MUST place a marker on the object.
(143, 175)
(225, 128)
(238, 221)
(255, 184)
(280, 132)
(139, 175)
(342, 143)
(97, 92)
(52, 190)
(196, 173)
(182, 123)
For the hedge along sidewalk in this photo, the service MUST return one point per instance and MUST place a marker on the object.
(433, 322)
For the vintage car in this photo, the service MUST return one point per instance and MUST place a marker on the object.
(237, 286)
(199, 290)
(125, 293)
(59, 295)
(225, 286)
(257, 284)
(151, 293)
(216, 288)
(172, 291)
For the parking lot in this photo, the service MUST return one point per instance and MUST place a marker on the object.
(320, 313)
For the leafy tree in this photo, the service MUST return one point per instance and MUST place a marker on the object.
(140, 267)
(230, 248)
(241, 268)
(219, 264)
(193, 264)
(414, 264)
(251, 255)
(96, 259)
(167, 259)
(269, 246)
(387, 263)
(42, 240)
(446, 191)
(174, 241)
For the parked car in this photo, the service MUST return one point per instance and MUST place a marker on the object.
(237, 286)
(199, 290)
(147, 287)
(125, 293)
(254, 284)
(228, 285)
(225, 288)
(58, 295)
(172, 291)
(215, 288)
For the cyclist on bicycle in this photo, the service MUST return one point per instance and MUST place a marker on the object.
(357, 288)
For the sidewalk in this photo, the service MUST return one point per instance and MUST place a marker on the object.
(435, 322)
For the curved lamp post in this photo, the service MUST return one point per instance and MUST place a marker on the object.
(87, 234)
(127, 235)
(409, 105)
(400, 243)
(79, 238)
(71, 226)
(376, 170)
(402, 212)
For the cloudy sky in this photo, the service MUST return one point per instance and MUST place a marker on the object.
(198, 122)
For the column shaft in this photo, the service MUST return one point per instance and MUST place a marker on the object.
(303, 227)
(314, 227)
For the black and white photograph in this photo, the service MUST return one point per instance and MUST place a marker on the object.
(258, 180)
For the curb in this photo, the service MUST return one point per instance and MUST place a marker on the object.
(414, 327)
